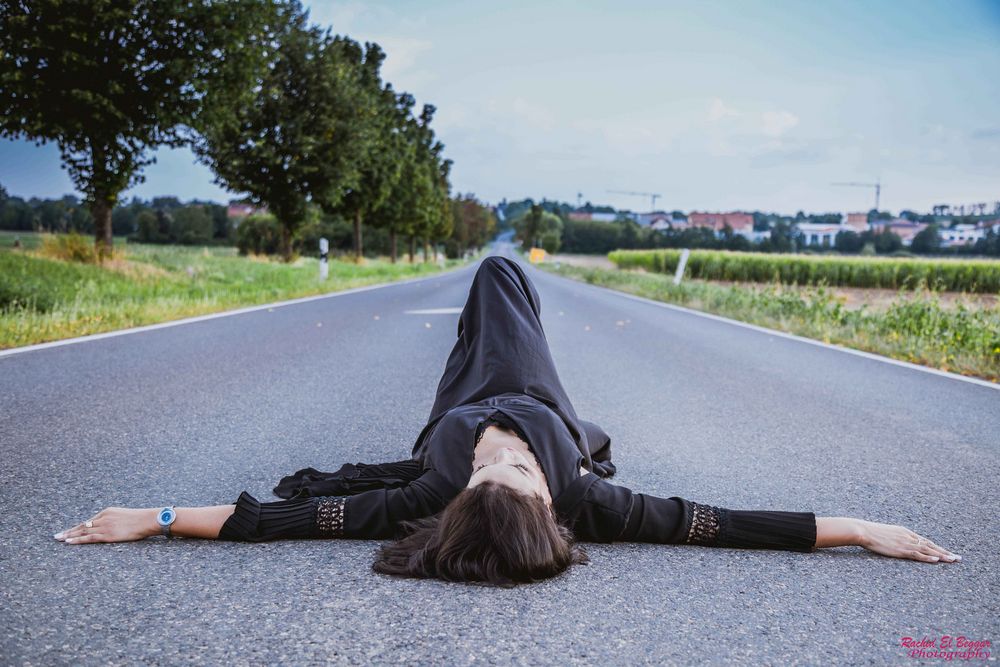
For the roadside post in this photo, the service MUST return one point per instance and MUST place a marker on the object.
(680, 266)
(324, 253)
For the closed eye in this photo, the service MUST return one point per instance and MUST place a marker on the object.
(521, 466)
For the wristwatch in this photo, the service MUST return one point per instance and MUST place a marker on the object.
(165, 517)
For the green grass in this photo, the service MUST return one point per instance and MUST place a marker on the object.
(32, 240)
(956, 275)
(915, 327)
(45, 299)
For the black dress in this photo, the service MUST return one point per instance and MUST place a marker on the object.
(501, 371)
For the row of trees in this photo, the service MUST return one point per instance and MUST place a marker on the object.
(168, 220)
(279, 109)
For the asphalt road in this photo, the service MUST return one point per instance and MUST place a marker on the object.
(193, 414)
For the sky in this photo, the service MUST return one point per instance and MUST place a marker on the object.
(715, 106)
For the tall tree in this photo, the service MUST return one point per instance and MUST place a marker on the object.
(377, 162)
(109, 80)
(394, 212)
(423, 194)
(294, 136)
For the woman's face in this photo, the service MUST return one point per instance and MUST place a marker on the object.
(507, 466)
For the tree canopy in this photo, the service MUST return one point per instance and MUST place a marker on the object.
(109, 80)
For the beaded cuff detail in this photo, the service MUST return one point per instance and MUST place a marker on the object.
(706, 522)
(330, 516)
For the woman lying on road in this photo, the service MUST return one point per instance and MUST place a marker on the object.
(502, 480)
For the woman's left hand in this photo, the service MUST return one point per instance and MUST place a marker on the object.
(113, 524)
(900, 542)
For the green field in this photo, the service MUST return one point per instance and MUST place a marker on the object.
(44, 299)
(955, 275)
(915, 327)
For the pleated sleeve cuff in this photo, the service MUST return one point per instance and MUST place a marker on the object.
(241, 526)
(296, 518)
(708, 525)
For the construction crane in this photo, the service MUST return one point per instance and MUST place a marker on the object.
(639, 194)
(877, 185)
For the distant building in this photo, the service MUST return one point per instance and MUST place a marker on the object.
(904, 229)
(660, 220)
(962, 234)
(597, 217)
(857, 222)
(240, 210)
(821, 234)
(740, 222)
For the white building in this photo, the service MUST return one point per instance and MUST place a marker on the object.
(820, 234)
(962, 234)
(659, 220)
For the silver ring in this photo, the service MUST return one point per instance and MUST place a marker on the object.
(89, 524)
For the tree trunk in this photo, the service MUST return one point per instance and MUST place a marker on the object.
(413, 241)
(425, 249)
(392, 245)
(286, 243)
(103, 241)
(357, 236)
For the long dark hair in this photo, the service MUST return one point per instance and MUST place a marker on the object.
(488, 533)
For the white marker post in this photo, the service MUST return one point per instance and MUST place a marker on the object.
(680, 266)
(324, 252)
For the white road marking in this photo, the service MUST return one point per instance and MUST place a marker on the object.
(801, 339)
(435, 311)
(211, 316)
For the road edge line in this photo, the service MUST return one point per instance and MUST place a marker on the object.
(211, 316)
(784, 334)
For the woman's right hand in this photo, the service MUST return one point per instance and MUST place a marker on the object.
(113, 524)
(899, 542)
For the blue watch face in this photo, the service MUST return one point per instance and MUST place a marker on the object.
(166, 516)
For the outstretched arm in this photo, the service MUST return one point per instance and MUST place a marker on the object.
(372, 514)
(123, 524)
(603, 512)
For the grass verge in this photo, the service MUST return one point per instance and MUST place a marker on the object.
(43, 299)
(915, 327)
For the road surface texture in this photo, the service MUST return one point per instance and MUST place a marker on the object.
(719, 414)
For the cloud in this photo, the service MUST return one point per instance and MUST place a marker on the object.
(731, 131)
(402, 51)
(784, 154)
(776, 123)
(401, 55)
(717, 110)
(986, 134)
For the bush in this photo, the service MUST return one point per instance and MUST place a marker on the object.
(69, 247)
(893, 273)
(259, 234)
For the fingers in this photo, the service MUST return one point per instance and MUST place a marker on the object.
(86, 539)
(932, 553)
(78, 530)
(916, 554)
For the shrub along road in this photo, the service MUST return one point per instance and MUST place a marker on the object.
(719, 414)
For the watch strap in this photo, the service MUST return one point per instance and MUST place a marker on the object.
(165, 529)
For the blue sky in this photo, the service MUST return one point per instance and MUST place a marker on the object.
(714, 105)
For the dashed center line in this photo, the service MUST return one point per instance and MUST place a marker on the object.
(435, 311)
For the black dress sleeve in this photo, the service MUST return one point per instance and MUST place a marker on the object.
(297, 518)
(373, 514)
(598, 511)
(676, 520)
